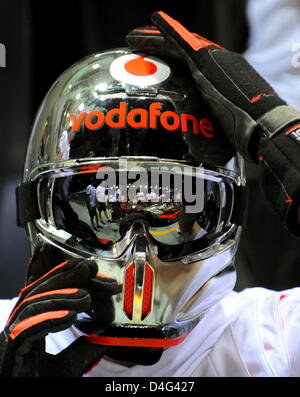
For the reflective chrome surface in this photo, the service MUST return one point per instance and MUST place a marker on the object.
(157, 293)
(88, 86)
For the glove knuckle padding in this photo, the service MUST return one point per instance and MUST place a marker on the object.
(239, 82)
(234, 120)
(235, 93)
(57, 300)
(67, 274)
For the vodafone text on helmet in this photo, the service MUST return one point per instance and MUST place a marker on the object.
(141, 118)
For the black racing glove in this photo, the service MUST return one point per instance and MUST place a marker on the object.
(50, 303)
(258, 123)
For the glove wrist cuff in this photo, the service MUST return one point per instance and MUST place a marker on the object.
(277, 119)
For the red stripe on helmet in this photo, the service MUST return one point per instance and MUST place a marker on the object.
(129, 290)
(147, 291)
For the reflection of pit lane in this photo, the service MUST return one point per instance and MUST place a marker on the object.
(110, 231)
(167, 235)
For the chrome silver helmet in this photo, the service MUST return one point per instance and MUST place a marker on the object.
(126, 166)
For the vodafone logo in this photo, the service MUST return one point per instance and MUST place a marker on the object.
(139, 70)
(152, 118)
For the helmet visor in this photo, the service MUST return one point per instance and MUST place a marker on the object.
(96, 206)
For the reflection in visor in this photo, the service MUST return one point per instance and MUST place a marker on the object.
(99, 211)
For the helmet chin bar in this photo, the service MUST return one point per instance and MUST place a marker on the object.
(161, 302)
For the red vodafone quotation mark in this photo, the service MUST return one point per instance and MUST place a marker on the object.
(140, 67)
(139, 70)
